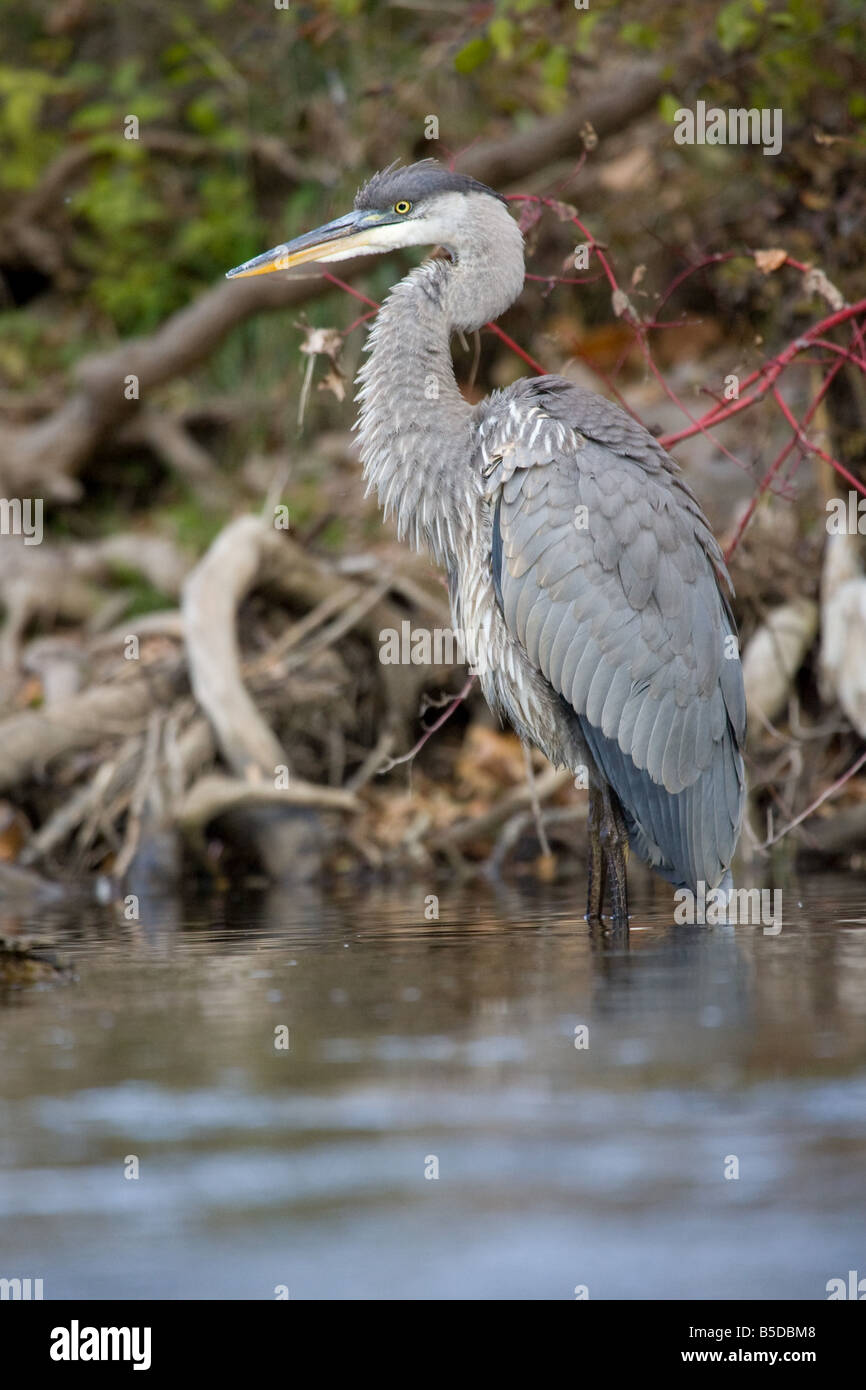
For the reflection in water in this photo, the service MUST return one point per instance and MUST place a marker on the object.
(454, 1044)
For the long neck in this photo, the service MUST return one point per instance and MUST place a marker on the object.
(414, 426)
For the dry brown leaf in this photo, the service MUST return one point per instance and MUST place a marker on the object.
(545, 868)
(768, 261)
(320, 340)
(489, 761)
(333, 381)
(815, 202)
(15, 831)
(29, 693)
(603, 346)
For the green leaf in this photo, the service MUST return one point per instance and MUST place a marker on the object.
(472, 55)
(640, 35)
(555, 68)
(735, 25)
(585, 26)
(97, 115)
(668, 107)
(501, 34)
(203, 114)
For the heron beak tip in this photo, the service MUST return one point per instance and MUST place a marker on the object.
(278, 259)
(352, 234)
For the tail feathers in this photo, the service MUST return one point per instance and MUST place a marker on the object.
(687, 836)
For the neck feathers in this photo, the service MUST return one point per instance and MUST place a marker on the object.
(414, 426)
(415, 429)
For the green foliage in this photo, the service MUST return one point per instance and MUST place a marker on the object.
(669, 105)
(24, 145)
(333, 536)
(142, 597)
(342, 85)
(520, 39)
(640, 35)
(120, 218)
(23, 339)
(555, 69)
(737, 25)
(472, 55)
(188, 524)
(209, 243)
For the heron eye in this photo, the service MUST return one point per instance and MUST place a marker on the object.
(402, 206)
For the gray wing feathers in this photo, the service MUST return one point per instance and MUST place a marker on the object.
(620, 606)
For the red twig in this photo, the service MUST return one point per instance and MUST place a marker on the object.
(356, 323)
(515, 347)
(814, 448)
(766, 375)
(779, 460)
(757, 386)
(350, 289)
(428, 733)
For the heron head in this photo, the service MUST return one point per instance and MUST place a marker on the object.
(422, 204)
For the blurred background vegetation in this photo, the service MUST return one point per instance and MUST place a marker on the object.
(255, 122)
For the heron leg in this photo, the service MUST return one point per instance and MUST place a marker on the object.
(597, 867)
(608, 856)
(615, 841)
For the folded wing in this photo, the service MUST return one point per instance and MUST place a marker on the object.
(608, 575)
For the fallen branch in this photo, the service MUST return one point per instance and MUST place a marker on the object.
(73, 811)
(141, 793)
(42, 459)
(213, 796)
(240, 558)
(613, 105)
(520, 799)
(29, 741)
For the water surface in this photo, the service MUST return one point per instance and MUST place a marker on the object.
(419, 1045)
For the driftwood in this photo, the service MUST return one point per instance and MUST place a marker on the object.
(42, 459)
(239, 558)
(843, 628)
(183, 734)
(213, 796)
(31, 740)
(66, 581)
(247, 553)
(250, 553)
(82, 811)
(773, 657)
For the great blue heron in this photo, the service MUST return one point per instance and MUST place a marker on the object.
(575, 553)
